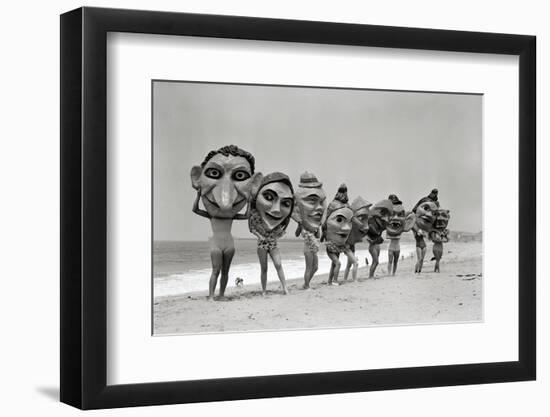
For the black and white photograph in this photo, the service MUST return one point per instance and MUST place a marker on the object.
(282, 207)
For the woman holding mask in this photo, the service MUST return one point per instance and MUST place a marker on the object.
(270, 213)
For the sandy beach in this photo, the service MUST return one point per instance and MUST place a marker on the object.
(454, 295)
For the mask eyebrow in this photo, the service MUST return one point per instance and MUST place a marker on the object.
(241, 167)
(212, 164)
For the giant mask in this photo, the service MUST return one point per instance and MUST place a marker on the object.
(442, 218)
(225, 181)
(274, 201)
(310, 201)
(399, 222)
(439, 233)
(360, 219)
(339, 218)
(379, 216)
(425, 215)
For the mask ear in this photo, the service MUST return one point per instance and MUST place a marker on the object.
(295, 213)
(255, 182)
(196, 172)
(409, 222)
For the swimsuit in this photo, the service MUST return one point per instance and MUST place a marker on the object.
(375, 239)
(267, 239)
(420, 243)
(311, 241)
(334, 248)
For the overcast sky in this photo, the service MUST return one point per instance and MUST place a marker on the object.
(377, 142)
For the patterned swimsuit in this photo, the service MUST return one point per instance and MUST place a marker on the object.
(311, 241)
(334, 248)
(267, 239)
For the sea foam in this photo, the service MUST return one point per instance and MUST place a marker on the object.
(197, 279)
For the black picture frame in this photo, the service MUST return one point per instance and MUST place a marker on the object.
(84, 179)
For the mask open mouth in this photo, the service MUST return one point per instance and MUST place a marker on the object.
(440, 224)
(394, 225)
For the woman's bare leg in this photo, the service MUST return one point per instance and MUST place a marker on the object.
(374, 250)
(216, 256)
(346, 271)
(334, 270)
(420, 253)
(331, 272)
(276, 258)
(262, 256)
(352, 262)
(226, 264)
(314, 265)
(438, 253)
(309, 268)
(395, 261)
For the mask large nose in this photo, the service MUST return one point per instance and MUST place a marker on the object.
(225, 193)
(275, 208)
(346, 227)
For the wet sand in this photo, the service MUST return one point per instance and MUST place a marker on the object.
(453, 295)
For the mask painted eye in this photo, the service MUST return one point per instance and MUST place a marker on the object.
(287, 203)
(213, 173)
(268, 195)
(241, 175)
(340, 219)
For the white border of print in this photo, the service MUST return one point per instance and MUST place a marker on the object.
(134, 356)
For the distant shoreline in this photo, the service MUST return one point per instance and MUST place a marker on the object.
(455, 236)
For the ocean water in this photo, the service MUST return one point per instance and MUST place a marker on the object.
(182, 267)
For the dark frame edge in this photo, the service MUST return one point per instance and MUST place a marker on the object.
(70, 213)
(528, 207)
(277, 386)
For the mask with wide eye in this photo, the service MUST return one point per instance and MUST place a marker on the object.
(274, 203)
(338, 225)
(225, 183)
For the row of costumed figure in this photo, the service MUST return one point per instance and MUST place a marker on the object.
(227, 182)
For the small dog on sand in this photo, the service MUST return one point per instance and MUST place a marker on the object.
(239, 282)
